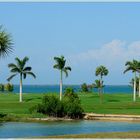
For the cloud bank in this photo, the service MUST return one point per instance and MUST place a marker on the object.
(116, 52)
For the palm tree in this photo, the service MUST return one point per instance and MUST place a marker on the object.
(137, 84)
(132, 66)
(101, 71)
(60, 65)
(5, 43)
(99, 86)
(138, 70)
(22, 70)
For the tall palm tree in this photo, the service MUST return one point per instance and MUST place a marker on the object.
(101, 71)
(132, 66)
(22, 70)
(5, 43)
(60, 65)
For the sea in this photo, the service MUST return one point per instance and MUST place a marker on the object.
(112, 89)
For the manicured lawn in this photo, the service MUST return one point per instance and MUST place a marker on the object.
(112, 103)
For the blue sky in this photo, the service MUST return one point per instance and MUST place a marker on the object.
(87, 34)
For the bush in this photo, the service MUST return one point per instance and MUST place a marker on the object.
(8, 87)
(72, 107)
(69, 92)
(1, 87)
(84, 87)
(51, 105)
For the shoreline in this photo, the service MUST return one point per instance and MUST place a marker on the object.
(94, 116)
(111, 117)
(87, 116)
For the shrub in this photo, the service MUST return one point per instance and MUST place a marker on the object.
(1, 87)
(84, 87)
(2, 115)
(69, 92)
(51, 105)
(8, 87)
(72, 107)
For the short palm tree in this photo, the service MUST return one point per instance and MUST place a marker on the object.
(60, 65)
(101, 71)
(132, 66)
(137, 83)
(22, 70)
(99, 86)
(138, 70)
(5, 43)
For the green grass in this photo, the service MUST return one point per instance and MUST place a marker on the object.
(101, 135)
(112, 104)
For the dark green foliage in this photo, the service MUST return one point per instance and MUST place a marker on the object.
(72, 106)
(60, 65)
(69, 92)
(2, 115)
(6, 43)
(51, 105)
(20, 68)
(1, 87)
(8, 87)
(84, 87)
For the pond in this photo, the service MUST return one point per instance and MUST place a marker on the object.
(26, 129)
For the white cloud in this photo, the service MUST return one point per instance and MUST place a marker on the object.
(111, 53)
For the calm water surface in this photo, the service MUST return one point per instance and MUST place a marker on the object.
(55, 88)
(22, 129)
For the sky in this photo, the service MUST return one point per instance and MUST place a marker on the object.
(87, 34)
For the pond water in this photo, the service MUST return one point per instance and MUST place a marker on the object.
(26, 129)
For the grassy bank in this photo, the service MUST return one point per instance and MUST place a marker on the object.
(102, 135)
(112, 104)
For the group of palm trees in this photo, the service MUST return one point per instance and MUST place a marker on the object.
(6, 47)
(134, 66)
(100, 71)
(20, 68)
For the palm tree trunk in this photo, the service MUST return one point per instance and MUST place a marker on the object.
(61, 84)
(20, 96)
(134, 95)
(101, 90)
(139, 84)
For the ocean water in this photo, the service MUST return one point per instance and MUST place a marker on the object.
(55, 88)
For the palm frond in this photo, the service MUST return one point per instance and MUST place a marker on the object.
(66, 72)
(15, 70)
(27, 69)
(8, 79)
(56, 66)
(101, 70)
(31, 73)
(12, 65)
(24, 61)
(127, 69)
(68, 68)
(60, 61)
(5, 43)
(19, 62)
(24, 75)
